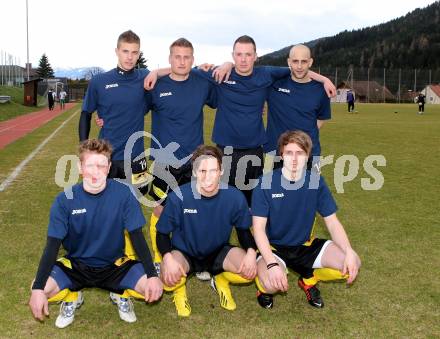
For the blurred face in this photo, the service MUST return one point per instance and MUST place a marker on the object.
(208, 175)
(94, 169)
(128, 55)
(181, 60)
(244, 57)
(294, 157)
(299, 62)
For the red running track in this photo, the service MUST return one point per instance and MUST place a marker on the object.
(16, 128)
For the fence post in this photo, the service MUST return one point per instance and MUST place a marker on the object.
(415, 80)
(383, 88)
(368, 84)
(400, 77)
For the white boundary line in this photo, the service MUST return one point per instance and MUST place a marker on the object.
(4, 185)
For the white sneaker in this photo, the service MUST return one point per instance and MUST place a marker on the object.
(125, 307)
(203, 276)
(67, 311)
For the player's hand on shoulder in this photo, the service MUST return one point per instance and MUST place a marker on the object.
(205, 67)
(223, 72)
(330, 88)
(39, 305)
(278, 278)
(150, 80)
(352, 264)
(154, 289)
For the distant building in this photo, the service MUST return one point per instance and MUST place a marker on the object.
(364, 91)
(432, 94)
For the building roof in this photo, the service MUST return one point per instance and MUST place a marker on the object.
(435, 89)
(361, 88)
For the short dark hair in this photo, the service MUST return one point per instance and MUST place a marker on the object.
(246, 39)
(206, 151)
(300, 138)
(99, 146)
(129, 37)
(182, 42)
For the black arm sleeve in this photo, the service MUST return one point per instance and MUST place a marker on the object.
(163, 243)
(246, 239)
(84, 125)
(140, 246)
(46, 263)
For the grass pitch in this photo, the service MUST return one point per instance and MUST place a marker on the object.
(395, 230)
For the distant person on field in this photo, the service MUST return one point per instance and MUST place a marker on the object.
(90, 226)
(62, 95)
(284, 205)
(50, 99)
(421, 101)
(350, 101)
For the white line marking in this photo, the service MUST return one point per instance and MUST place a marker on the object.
(20, 167)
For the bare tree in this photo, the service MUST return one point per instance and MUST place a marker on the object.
(92, 71)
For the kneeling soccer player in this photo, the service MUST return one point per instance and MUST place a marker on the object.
(284, 205)
(193, 233)
(91, 227)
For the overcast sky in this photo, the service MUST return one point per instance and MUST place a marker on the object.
(78, 33)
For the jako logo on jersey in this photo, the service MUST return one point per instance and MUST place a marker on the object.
(81, 211)
(284, 90)
(277, 195)
(111, 86)
(230, 82)
(165, 94)
(189, 210)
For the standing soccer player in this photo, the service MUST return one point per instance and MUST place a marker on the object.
(193, 233)
(176, 103)
(91, 229)
(297, 102)
(284, 206)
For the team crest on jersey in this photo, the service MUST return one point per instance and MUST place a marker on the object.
(284, 90)
(80, 211)
(189, 210)
(165, 94)
(111, 86)
(229, 82)
(277, 195)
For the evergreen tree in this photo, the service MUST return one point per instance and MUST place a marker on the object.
(142, 62)
(44, 69)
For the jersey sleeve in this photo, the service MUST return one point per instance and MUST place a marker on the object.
(211, 100)
(170, 218)
(90, 103)
(242, 218)
(205, 75)
(325, 112)
(58, 219)
(277, 73)
(326, 203)
(133, 216)
(260, 204)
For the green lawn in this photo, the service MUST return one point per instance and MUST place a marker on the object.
(395, 230)
(15, 107)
